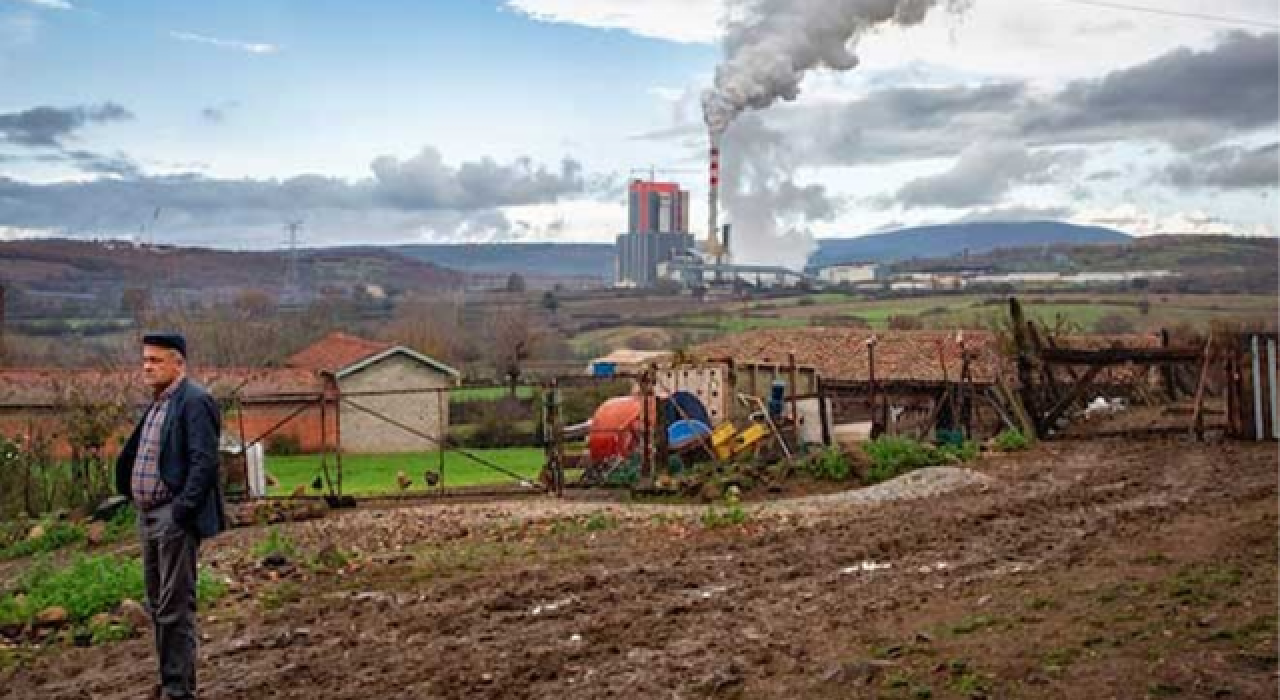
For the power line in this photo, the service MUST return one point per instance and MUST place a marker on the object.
(1221, 19)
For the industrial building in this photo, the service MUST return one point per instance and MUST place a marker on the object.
(659, 247)
(658, 230)
(849, 273)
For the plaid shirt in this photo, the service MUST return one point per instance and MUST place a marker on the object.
(149, 491)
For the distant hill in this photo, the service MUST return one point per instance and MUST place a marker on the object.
(597, 259)
(954, 239)
(542, 259)
(99, 272)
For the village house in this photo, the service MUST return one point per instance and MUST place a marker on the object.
(368, 392)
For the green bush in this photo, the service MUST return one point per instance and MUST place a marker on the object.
(893, 456)
(1011, 441)
(831, 464)
(283, 445)
(497, 425)
(85, 587)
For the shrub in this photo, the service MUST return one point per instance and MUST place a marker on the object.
(496, 425)
(1011, 440)
(86, 587)
(831, 464)
(283, 445)
(893, 456)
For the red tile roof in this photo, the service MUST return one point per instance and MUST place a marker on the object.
(335, 351)
(24, 388)
(910, 356)
(841, 353)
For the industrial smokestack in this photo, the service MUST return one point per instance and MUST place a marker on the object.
(713, 196)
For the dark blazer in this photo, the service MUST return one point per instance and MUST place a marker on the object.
(188, 460)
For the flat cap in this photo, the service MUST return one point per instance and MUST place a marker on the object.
(174, 341)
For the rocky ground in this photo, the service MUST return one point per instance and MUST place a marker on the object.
(1082, 569)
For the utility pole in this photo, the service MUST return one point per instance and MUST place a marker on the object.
(291, 269)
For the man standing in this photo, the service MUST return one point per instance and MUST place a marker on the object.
(169, 469)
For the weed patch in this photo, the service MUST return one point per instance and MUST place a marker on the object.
(892, 456)
(831, 464)
(730, 516)
(280, 595)
(1011, 441)
(275, 543)
(55, 536)
(85, 587)
(971, 624)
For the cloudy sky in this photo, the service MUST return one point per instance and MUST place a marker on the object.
(480, 120)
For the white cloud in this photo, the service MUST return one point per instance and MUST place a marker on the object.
(233, 44)
(1140, 222)
(48, 4)
(570, 221)
(18, 233)
(683, 21)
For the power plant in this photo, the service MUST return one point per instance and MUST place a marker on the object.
(658, 245)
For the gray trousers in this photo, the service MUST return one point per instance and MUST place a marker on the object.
(169, 565)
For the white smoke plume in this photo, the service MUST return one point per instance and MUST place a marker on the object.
(769, 209)
(771, 44)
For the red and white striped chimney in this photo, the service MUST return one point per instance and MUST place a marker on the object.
(713, 196)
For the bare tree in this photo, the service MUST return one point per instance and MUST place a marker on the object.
(513, 340)
(433, 328)
(93, 407)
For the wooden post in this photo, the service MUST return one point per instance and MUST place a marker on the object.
(1166, 370)
(871, 373)
(1197, 410)
(646, 458)
(1023, 360)
(337, 432)
(824, 414)
(1255, 385)
(660, 435)
(324, 439)
(443, 426)
(1271, 381)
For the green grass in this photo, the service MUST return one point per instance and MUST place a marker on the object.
(85, 587)
(56, 536)
(376, 474)
(737, 324)
(488, 393)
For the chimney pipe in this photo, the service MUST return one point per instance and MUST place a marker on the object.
(713, 197)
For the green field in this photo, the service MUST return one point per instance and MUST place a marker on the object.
(376, 474)
(737, 324)
(974, 311)
(488, 393)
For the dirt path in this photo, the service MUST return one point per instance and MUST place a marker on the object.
(1086, 569)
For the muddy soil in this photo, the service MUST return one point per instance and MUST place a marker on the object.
(1082, 569)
